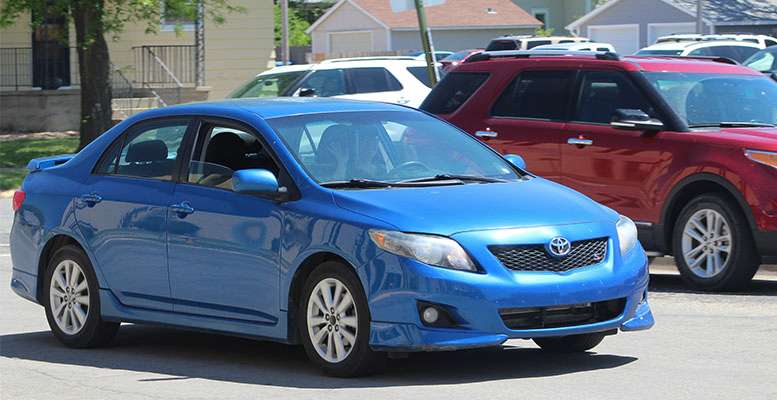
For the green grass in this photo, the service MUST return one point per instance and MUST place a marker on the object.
(15, 154)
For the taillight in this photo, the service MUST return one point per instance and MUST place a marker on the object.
(18, 199)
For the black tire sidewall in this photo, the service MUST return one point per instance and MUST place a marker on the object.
(87, 335)
(743, 261)
(362, 360)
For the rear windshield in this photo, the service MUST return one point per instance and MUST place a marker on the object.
(659, 52)
(422, 74)
(453, 91)
(497, 45)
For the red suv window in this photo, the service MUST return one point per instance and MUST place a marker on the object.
(536, 94)
(603, 92)
(453, 91)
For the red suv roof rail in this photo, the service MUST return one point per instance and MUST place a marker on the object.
(488, 55)
(718, 59)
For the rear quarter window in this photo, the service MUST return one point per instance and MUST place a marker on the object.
(497, 45)
(453, 91)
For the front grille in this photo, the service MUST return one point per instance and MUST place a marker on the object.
(561, 316)
(536, 258)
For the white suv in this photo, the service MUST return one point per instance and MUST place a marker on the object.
(400, 80)
(763, 40)
(736, 50)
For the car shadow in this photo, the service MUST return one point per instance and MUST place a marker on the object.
(186, 355)
(671, 283)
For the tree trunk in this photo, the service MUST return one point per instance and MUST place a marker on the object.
(94, 69)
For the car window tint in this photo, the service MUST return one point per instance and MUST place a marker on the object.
(223, 151)
(422, 74)
(151, 153)
(603, 92)
(770, 43)
(372, 80)
(453, 91)
(736, 53)
(530, 44)
(268, 85)
(535, 94)
(326, 83)
(497, 45)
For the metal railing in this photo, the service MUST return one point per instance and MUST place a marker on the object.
(18, 71)
(165, 66)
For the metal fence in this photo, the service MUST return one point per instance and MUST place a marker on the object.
(17, 69)
(165, 66)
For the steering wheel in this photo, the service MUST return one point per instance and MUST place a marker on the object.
(409, 166)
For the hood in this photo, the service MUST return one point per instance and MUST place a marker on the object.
(762, 138)
(446, 210)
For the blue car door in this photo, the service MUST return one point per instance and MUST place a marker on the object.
(122, 211)
(223, 246)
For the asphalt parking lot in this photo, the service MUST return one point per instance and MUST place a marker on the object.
(703, 346)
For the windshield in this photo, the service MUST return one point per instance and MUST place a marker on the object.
(389, 146)
(715, 99)
(763, 61)
(658, 53)
(270, 85)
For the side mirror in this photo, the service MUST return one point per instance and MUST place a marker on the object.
(307, 92)
(256, 181)
(635, 120)
(516, 160)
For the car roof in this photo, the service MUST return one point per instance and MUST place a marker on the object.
(268, 108)
(287, 68)
(697, 44)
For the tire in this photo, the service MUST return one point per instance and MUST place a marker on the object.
(730, 270)
(86, 328)
(359, 359)
(570, 344)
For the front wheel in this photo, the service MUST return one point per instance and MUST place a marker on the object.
(72, 301)
(713, 245)
(334, 322)
(570, 344)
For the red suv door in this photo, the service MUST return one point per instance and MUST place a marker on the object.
(528, 119)
(612, 166)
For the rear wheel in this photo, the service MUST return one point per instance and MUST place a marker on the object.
(570, 344)
(334, 322)
(713, 245)
(72, 301)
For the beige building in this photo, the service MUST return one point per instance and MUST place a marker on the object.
(159, 68)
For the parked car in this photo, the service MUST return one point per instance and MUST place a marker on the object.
(764, 61)
(526, 42)
(585, 46)
(738, 51)
(400, 80)
(686, 148)
(762, 40)
(438, 54)
(345, 226)
(457, 58)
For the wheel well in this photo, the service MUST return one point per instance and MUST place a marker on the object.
(298, 282)
(48, 251)
(688, 193)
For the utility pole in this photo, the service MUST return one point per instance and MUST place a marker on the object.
(285, 31)
(700, 17)
(426, 41)
(199, 44)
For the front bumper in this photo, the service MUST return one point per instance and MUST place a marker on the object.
(395, 285)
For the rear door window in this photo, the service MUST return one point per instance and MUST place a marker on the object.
(149, 152)
(536, 95)
(453, 91)
(326, 82)
(371, 80)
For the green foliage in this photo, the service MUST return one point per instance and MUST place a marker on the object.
(15, 154)
(544, 32)
(297, 27)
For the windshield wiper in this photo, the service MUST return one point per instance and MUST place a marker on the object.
(743, 124)
(371, 184)
(454, 177)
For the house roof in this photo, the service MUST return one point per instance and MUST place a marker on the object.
(462, 14)
(716, 12)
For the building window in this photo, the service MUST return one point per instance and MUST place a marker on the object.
(541, 14)
(178, 15)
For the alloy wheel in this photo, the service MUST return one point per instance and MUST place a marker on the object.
(69, 297)
(332, 320)
(707, 243)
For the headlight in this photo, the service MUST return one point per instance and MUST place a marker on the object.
(764, 157)
(428, 249)
(627, 234)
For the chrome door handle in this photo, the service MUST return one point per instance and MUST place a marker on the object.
(580, 142)
(91, 199)
(183, 208)
(486, 134)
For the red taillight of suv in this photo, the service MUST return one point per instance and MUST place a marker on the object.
(18, 199)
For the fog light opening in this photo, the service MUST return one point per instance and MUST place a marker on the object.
(430, 315)
(437, 315)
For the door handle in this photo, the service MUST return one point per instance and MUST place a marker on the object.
(91, 199)
(183, 208)
(486, 134)
(580, 141)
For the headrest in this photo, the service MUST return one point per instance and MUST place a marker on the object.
(147, 151)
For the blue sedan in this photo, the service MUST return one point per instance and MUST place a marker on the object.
(355, 229)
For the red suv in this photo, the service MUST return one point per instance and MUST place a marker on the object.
(685, 147)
